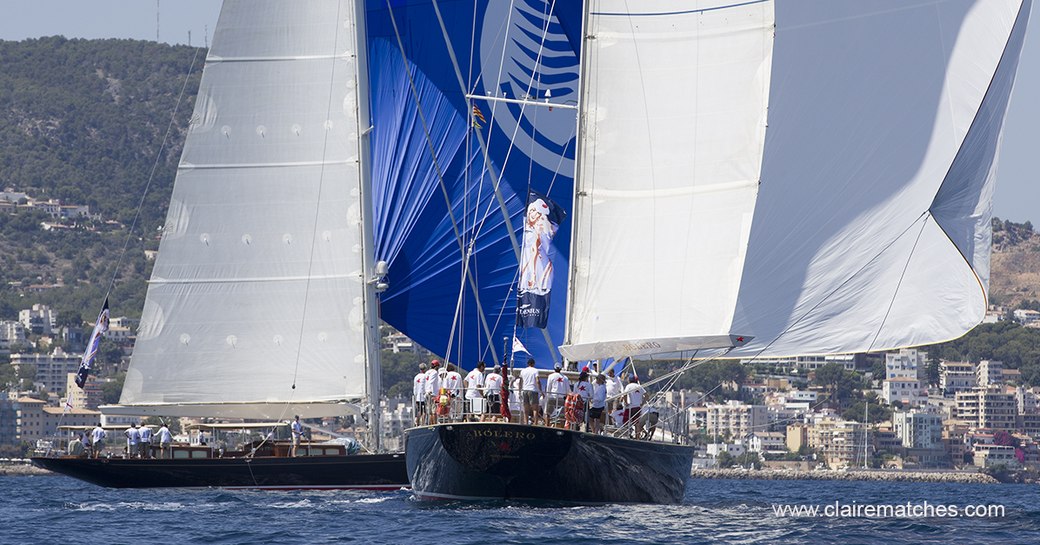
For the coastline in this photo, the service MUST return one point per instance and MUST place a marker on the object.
(852, 475)
(21, 467)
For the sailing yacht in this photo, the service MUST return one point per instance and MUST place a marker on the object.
(262, 301)
(752, 180)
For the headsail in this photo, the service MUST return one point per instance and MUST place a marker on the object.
(872, 227)
(859, 221)
(256, 303)
(673, 124)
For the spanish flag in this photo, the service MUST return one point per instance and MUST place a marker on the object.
(478, 117)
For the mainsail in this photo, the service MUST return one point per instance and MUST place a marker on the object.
(258, 302)
(859, 220)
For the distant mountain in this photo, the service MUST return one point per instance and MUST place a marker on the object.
(1015, 264)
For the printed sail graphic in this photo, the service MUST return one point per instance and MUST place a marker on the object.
(87, 362)
(542, 220)
(256, 305)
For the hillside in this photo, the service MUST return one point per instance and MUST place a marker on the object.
(83, 121)
(1015, 264)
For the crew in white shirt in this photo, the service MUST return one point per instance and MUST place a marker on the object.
(493, 393)
(433, 390)
(474, 391)
(532, 389)
(419, 393)
(165, 442)
(132, 438)
(634, 397)
(557, 386)
(145, 441)
(452, 383)
(598, 403)
(97, 441)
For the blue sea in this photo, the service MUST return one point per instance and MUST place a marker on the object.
(57, 509)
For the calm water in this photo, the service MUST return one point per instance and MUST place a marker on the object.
(54, 509)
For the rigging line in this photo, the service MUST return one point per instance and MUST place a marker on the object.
(317, 204)
(902, 275)
(437, 167)
(151, 175)
(837, 288)
(496, 180)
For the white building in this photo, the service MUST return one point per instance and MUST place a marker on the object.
(52, 370)
(903, 373)
(1026, 317)
(736, 419)
(989, 373)
(956, 376)
(38, 320)
(12, 334)
(918, 430)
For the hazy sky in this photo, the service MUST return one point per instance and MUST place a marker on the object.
(1018, 184)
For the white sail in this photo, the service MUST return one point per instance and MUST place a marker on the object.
(872, 228)
(672, 130)
(860, 220)
(256, 307)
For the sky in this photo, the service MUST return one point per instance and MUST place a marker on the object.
(1017, 195)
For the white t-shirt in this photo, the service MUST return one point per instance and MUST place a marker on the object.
(97, 434)
(634, 391)
(132, 435)
(599, 396)
(452, 382)
(419, 385)
(613, 386)
(584, 389)
(557, 385)
(493, 384)
(433, 382)
(529, 379)
(474, 381)
(146, 434)
(164, 435)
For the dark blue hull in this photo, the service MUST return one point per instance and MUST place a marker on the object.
(486, 460)
(361, 471)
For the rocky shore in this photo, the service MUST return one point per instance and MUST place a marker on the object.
(852, 475)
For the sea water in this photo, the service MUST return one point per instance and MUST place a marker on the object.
(57, 509)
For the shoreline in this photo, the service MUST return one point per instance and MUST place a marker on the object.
(852, 475)
(17, 468)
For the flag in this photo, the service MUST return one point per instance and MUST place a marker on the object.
(68, 405)
(100, 327)
(541, 220)
(478, 117)
(519, 346)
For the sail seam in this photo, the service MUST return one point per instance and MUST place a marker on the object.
(902, 275)
(286, 164)
(683, 12)
(167, 281)
(217, 60)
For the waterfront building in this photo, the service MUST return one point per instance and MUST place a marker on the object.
(52, 369)
(918, 430)
(735, 419)
(989, 373)
(956, 376)
(989, 408)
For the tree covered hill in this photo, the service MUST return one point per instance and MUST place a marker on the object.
(83, 121)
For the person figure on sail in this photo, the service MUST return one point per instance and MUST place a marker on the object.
(536, 270)
(419, 393)
(297, 435)
(531, 390)
(475, 392)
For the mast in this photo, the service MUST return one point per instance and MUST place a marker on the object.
(372, 271)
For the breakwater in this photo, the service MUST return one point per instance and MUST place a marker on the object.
(857, 475)
(21, 467)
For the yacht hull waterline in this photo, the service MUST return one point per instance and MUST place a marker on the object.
(489, 461)
(359, 471)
